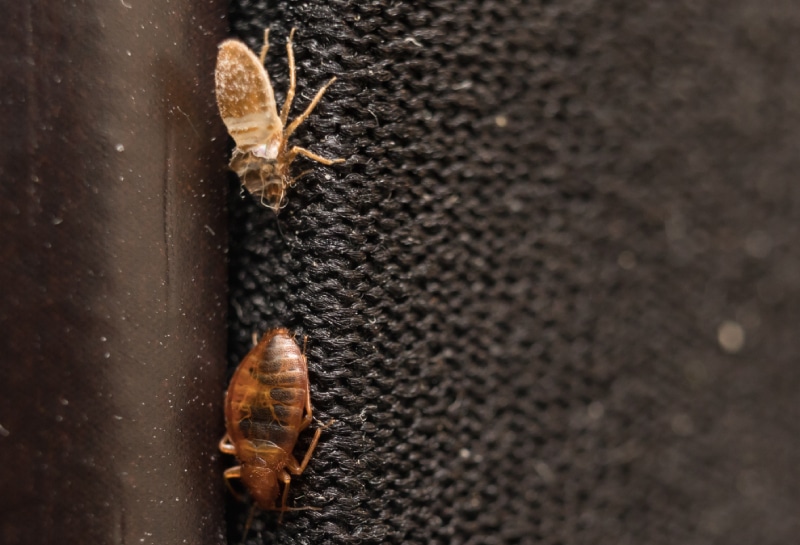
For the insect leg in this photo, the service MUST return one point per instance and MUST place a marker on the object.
(309, 415)
(296, 123)
(294, 179)
(226, 446)
(292, 465)
(296, 150)
(309, 412)
(233, 473)
(265, 47)
(287, 105)
(249, 522)
(287, 480)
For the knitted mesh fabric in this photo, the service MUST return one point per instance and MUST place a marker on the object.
(514, 287)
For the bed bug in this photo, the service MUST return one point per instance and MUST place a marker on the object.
(247, 106)
(267, 406)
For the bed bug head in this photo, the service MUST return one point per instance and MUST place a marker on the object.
(261, 177)
(262, 482)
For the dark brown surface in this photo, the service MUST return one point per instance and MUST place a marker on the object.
(513, 288)
(112, 273)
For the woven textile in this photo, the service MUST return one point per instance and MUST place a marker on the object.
(552, 296)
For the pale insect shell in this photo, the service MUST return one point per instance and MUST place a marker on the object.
(246, 101)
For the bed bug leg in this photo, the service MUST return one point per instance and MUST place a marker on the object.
(234, 472)
(287, 480)
(295, 468)
(249, 522)
(302, 117)
(296, 150)
(226, 447)
(294, 180)
(264, 48)
(287, 105)
(309, 417)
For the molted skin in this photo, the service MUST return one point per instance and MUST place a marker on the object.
(246, 103)
(265, 178)
(246, 100)
(264, 410)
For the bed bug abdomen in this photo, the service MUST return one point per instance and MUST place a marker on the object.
(268, 392)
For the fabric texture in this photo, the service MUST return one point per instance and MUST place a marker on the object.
(552, 295)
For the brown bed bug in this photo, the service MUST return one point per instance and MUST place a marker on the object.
(247, 106)
(267, 406)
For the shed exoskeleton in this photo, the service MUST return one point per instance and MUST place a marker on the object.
(247, 106)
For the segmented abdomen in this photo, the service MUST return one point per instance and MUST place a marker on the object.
(268, 392)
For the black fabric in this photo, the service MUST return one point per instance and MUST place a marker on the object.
(524, 292)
